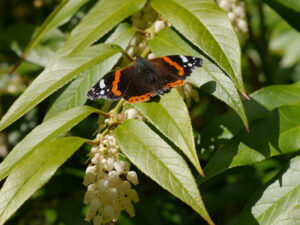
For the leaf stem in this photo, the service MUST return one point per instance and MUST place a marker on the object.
(145, 52)
(102, 113)
(114, 111)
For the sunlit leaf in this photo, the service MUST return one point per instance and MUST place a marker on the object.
(159, 161)
(33, 172)
(167, 42)
(171, 117)
(47, 131)
(277, 203)
(262, 101)
(58, 16)
(75, 94)
(100, 19)
(208, 27)
(54, 77)
(277, 132)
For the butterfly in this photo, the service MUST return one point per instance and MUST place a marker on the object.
(145, 78)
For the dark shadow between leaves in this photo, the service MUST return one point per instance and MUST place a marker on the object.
(246, 217)
(209, 87)
(244, 148)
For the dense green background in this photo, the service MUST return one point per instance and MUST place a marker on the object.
(270, 56)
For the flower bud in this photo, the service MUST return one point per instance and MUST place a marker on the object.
(128, 206)
(121, 166)
(112, 193)
(132, 195)
(108, 213)
(96, 158)
(89, 196)
(94, 150)
(102, 185)
(110, 164)
(113, 178)
(132, 113)
(151, 56)
(90, 175)
(92, 210)
(132, 177)
(124, 187)
(159, 25)
(95, 204)
(97, 220)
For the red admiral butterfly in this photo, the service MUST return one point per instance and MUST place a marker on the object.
(145, 78)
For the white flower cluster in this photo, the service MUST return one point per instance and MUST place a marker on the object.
(108, 182)
(236, 12)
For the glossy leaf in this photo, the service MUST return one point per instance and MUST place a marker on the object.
(160, 162)
(100, 19)
(278, 132)
(288, 14)
(54, 77)
(58, 16)
(33, 172)
(210, 77)
(47, 131)
(75, 94)
(208, 27)
(278, 203)
(171, 117)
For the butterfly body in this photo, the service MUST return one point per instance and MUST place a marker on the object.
(145, 79)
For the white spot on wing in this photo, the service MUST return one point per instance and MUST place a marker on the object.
(102, 92)
(190, 64)
(102, 84)
(184, 59)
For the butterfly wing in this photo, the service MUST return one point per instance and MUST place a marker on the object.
(173, 70)
(128, 83)
(153, 77)
(103, 88)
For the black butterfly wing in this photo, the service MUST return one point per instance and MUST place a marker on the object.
(128, 83)
(172, 71)
(138, 84)
(103, 88)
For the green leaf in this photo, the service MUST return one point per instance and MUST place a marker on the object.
(292, 4)
(167, 42)
(171, 117)
(263, 101)
(40, 52)
(277, 203)
(208, 27)
(58, 16)
(286, 44)
(47, 131)
(102, 18)
(33, 172)
(275, 134)
(54, 77)
(75, 94)
(160, 162)
(288, 14)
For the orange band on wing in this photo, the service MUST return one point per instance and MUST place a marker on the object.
(175, 84)
(140, 98)
(115, 83)
(176, 65)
